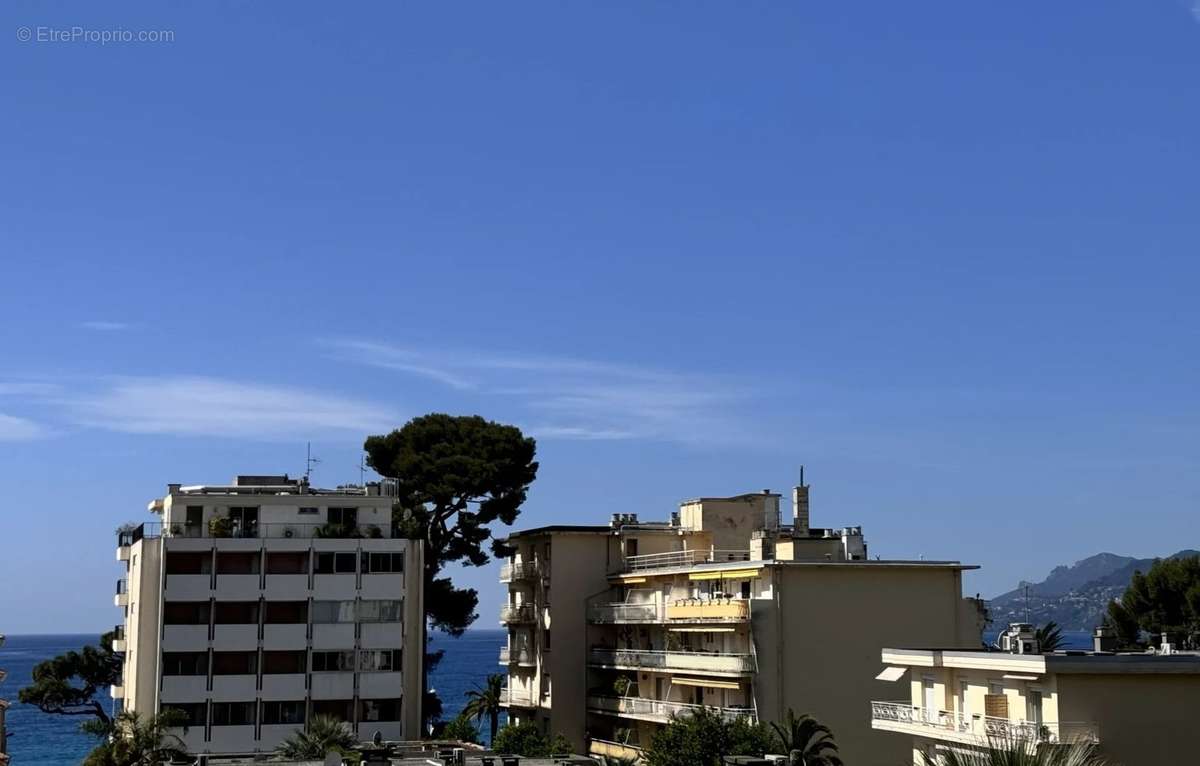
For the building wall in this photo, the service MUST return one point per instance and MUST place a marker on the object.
(1144, 719)
(826, 620)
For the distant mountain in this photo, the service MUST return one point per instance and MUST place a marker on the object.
(1076, 596)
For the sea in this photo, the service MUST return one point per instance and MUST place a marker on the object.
(37, 738)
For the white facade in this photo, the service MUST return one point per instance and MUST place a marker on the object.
(255, 606)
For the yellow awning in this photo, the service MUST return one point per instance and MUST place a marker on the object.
(709, 682)
(633, 580)
(730, 574)
(702, 629)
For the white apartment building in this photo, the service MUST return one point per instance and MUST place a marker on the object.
(256, 605)
(614, 629)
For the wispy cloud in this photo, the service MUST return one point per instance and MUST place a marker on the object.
(103, 326)
(15, 429)
(201, 406)
(28, 388)
(574, 398)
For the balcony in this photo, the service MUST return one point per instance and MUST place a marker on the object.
(257, 530)
(709, 610)
(516, 698)
(693, 662)
(118, 639)
(527, 570)
(517, 615)
(624, 614)
(518, 656)
(122, 596)
(950, 726)
(680, 559)
(660, 711)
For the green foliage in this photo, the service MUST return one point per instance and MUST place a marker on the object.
(621, 685)
(1018, 753)
(323, 733)
(527, 741)
(484, 702)
(141, 741)
(220, 526)
(704, 738)
(68, 684)
(1164, 600)
(455, 476)
(1049, 637)
(806, 741)
(461, 729)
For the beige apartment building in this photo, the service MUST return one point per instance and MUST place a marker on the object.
(613, 629)
(1141, 709)
(256, 605)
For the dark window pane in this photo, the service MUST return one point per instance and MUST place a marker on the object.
(339, 709)
(187, 562)
(236, 613)
(286, 612)
(380, 710)
(283, 712)
(287, 563)
(185, 613)
(194, 711)
(283, 662)
(237, 562)
(233, 713)
(235, 663)
(185, 663)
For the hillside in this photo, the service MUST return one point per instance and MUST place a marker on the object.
(1076, 596)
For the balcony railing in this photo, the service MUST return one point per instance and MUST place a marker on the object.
(696, 662)
(273, 530)
(518, 614)
(683, 559)
(524, 570)
(516, 697)
(624, 613)
(516, 656)
(709, 610)
(661, 710)
(960, 727)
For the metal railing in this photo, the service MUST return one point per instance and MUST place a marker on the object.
(624, 613)
(272, 530)
(518, 614)
(518, 656)
(683, 559)
(661, 710)
(525, 570)
(699, 662)
(518, 698)
(983, 727)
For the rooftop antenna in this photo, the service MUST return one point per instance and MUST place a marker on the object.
(802, 476)
(362, 470)
(309, 462)
(1026, 602)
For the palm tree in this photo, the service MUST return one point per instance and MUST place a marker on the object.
(1017, 752)
(807, 741)
(1049, 637)
(324, 733)
(141, 740)
(484, 702)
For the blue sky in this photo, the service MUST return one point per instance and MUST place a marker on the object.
(943, 253)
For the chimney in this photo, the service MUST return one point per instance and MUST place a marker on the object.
(800, 507)
(1103, 639)
(173, 488)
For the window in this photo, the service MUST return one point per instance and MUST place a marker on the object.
(233, 714)
(235, 613)
(235, 663)
(380, 611)
(379, 660)
(546, 552)
(185, 663)
(335, 563)
(546, 595)
(309, 511)
(185, 613)
(285, 612)
(229, 562)
(326, 662)
(332, 611)
(275, 663)
(380, 710)
(195, 712)
(245, 521)
(193, 516)
(186, 562)
(342, 517)
(287, 563)
(377, 563)
(546, 640)
(283, 712)
(342, 710)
